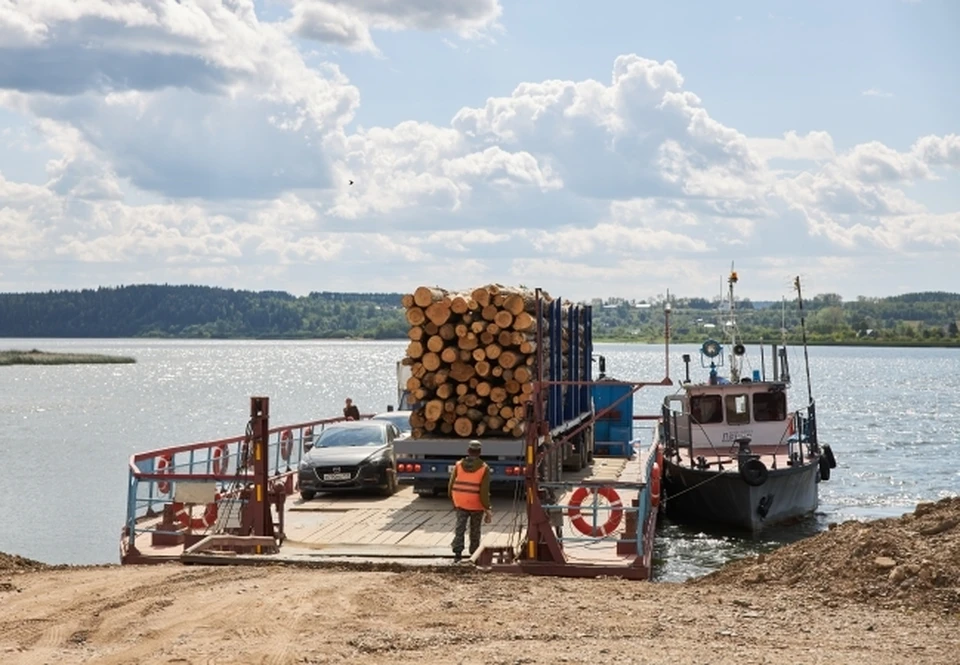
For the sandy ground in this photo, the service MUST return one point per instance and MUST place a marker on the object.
(883, 592)
(277, 615)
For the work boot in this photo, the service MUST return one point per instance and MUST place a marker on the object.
(457, 557)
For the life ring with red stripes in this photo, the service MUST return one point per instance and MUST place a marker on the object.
(286, 444)
(581, 524)
(207, 519)
(791, 427)
(655, 485)
(163, 466)
(219, 459)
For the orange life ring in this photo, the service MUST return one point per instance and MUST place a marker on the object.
(655, 485)
(163, 466)
(219, 459)
(205, 521)
(581, 524)
(286, 444)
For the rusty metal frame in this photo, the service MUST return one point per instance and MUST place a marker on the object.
(542, 553)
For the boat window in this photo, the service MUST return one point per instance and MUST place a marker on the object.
(769, 406)
(738, 412)
(706, 409)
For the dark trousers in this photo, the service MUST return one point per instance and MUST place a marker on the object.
(474, 517)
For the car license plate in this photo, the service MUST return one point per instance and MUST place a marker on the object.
(336, 476)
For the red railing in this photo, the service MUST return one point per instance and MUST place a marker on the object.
(153, 475)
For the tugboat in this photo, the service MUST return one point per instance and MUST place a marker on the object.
(734, 457)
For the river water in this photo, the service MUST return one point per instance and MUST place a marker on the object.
(67, 432)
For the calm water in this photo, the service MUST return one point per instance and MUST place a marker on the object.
(66, 433)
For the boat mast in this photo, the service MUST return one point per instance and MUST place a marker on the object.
(803, 332)
(732, 321)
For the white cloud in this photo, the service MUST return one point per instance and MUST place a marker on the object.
(875, 92)
(938, 150)
(349, 23)
(814, 146)
(194, 141)
(184, 99)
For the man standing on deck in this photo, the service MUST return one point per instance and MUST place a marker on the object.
(469, 489)
(350, 410)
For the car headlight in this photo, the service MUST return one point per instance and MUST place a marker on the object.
(377, 459)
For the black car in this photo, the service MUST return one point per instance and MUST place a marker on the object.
(350, 456)
(399, 418)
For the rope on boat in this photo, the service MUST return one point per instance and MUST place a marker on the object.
(693, 487)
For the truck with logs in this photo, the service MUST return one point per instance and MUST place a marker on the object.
(472, 363)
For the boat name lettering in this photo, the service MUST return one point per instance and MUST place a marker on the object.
(730, 437)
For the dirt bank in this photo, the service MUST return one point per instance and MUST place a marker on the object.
(908, 562)
(882, 593)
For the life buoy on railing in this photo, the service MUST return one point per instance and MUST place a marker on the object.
(655, 484)
(581, 524)
(286, 444)
(163, 465)
(219, 459)
(207, 519)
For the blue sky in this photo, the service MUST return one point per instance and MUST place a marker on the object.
(764, 67)
(618, 150)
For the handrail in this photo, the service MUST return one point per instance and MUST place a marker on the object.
(797, 422)
(204, 445)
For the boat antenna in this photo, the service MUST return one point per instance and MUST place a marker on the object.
(783, 321)
(803, 332)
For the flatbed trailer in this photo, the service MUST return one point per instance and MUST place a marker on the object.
(426, 464)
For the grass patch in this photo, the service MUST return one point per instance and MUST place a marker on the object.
(35, 357)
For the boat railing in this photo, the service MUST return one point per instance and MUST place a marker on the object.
(799, 431)
(167, 479)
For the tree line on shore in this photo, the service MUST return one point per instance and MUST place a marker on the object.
(201, 312)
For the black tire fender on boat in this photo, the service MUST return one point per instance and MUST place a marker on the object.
(824, 468)
(828, 454)
(754, 472)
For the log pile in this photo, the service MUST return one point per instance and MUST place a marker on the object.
(473, 359)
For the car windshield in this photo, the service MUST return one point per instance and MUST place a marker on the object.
(401, 420)
(351, 436)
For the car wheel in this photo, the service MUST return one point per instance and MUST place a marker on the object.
(392, 484)
(307, 495)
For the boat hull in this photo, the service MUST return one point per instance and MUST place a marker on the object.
(727, 500)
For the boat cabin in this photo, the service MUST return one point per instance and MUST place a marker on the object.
(714, 416)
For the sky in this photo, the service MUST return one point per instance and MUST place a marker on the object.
(614, 149)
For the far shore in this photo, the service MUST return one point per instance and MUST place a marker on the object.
(36, 357)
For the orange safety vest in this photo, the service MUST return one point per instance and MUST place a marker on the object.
(466, 487)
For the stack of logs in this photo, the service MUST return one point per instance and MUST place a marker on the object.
(472, 357)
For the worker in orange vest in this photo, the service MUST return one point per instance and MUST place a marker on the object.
(469, 489)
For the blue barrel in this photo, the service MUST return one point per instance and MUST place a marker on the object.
(614, 430)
